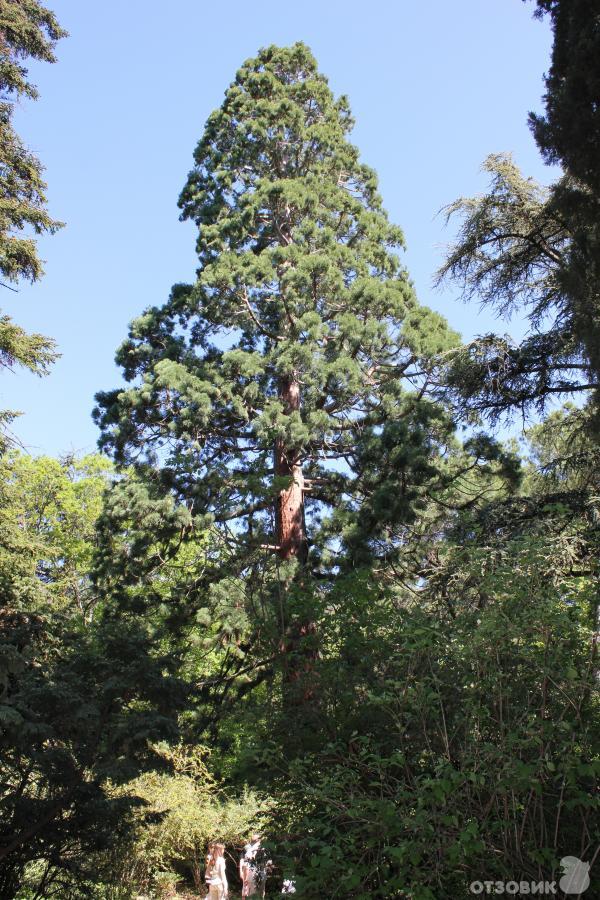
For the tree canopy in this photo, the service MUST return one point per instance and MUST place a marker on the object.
(302, 333)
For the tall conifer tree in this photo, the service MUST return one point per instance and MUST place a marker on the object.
(302, 329)
(257, 392)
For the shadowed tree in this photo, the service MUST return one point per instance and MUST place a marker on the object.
(569, 132)
(81, 700)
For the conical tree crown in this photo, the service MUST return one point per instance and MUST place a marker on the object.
(302, 329)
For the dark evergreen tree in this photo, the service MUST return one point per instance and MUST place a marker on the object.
(569, 132)
(27, 30)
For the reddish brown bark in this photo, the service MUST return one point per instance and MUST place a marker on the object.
(289, 511)
(291, 543)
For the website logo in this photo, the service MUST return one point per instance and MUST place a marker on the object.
(576, 878)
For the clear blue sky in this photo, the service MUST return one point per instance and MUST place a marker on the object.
(434, 86)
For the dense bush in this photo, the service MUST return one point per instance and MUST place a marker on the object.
(468, 747)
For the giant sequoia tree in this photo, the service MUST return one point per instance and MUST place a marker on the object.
(256, 389)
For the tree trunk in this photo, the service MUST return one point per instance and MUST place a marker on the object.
(300, 644)
(289, 512)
